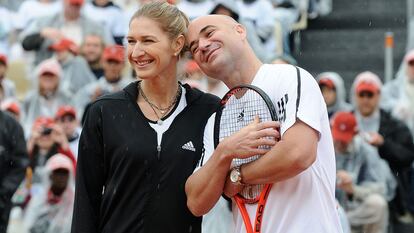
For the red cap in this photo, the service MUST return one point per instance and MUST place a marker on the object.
(11, 106)
(327, 82)
(367, 86)
(43, 121)
(76, 2)
(344, 126)
(49, 66)
(65, 110)
(114, 52)
(3, 59)
(367, 81)
(64, 45)
(59, 161)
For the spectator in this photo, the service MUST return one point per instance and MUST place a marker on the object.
(13, 161)
(333, 91)
(260, 14)
(47, 97)
(66, 118)
(6, 28)
(31, 10)
(398, 95)
(113, 61)
(359, 187)
(76, 73)
(7, 87)
(231, 8)
(50, 210)
(13, 107)
(43, 32)
(110, 16)
(92, 49)
(195, 8)
(46, 139)
(389, 135)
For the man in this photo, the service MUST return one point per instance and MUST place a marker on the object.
(92, 49)
(362, 177)
(13, 162)
(50, 209)
(44, 99)
(113, 62)
(75, 70)
(71, 24)
(66, 118)
(301, 165)
(333, 91)
(389, 135)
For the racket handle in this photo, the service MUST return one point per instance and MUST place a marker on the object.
(244, 214)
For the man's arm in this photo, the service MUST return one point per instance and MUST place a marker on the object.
(205, 186)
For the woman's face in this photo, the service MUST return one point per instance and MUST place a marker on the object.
(150, 50)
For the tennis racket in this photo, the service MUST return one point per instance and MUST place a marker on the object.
(239, 107)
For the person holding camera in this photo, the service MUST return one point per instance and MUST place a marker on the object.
(46, 139)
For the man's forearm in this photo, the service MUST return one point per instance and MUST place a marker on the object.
(205, 186)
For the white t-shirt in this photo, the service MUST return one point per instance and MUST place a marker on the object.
(306, 202)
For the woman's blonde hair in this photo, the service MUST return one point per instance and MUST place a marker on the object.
(172, 21)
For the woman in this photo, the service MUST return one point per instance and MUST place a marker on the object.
(138, 146)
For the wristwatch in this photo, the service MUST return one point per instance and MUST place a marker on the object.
(235, 175)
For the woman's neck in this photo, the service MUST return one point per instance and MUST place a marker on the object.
(160, 90)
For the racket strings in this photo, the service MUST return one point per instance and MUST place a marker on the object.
(240, 110)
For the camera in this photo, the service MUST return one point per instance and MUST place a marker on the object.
(46, 131)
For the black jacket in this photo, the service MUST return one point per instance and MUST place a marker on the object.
(398, 151)
(13, 158)
(124, 182)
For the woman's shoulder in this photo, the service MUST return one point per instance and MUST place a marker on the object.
(197, 96)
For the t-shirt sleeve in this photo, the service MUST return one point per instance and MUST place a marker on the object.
(302, 100)
(208, 141)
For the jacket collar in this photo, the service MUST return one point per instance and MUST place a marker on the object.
(191, 95)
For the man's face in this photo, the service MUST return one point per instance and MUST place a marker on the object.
(367, 102)
(69, 124)
(48, 82)
(341, 146)
(214, 42)
(112, 70)
(92, 49)
(59, 178)
(329, 95)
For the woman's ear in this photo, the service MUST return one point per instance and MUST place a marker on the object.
(178, 44)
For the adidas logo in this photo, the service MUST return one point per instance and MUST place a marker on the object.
(189, 146)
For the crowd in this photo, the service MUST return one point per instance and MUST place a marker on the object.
(73, 52)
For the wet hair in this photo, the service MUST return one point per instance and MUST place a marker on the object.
(172, 21)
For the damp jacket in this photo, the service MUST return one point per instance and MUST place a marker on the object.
(125, 182)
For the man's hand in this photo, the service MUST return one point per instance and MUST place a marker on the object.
(345, 181)
(245, 143)
(59, 136)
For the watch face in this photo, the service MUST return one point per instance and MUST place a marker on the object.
(234, 176)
